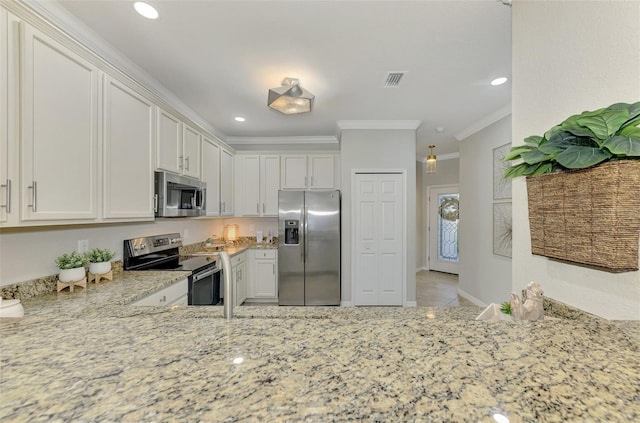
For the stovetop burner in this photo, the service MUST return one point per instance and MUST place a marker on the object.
(161, 252)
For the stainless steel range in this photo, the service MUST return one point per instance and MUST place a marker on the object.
(161, 252)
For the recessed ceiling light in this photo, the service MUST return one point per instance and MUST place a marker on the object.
(499, 81)
(145, 10)
(239, 119)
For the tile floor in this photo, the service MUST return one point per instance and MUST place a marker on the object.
(437, 289)
(433, 289)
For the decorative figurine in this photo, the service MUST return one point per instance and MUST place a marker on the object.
(532, 308)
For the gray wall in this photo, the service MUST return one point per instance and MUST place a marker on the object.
(379, 150)
(484, 276)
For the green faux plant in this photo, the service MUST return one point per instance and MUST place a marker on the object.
(580, 141)
(98, 255)
(505, 308)
(71, 260)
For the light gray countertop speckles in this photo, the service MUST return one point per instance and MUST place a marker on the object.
(88, 356)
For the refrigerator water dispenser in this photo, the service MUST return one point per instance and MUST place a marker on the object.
(291, 232)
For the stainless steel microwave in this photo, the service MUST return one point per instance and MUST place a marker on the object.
(179, 196)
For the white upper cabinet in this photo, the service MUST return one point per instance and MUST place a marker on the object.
(59, 131)
(321, 172)
(211, 175)
(128, 135)
(269, 184)
(169, 146)
(314, 171)
(226, 183)
(293, 172)
(258, 179)
(178, 146)
(191, 152)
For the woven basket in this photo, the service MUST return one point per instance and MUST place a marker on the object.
(588, 216)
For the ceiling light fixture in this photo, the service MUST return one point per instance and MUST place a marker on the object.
(239, 119)
(499, 81)
(290, 98)
(432, 163)
(146, 10)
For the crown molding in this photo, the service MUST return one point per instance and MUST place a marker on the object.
(379, 124)
(281, 140)
(484, 122)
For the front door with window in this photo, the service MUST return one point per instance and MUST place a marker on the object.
(443, 229)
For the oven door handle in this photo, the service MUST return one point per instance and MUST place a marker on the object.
(203, 275)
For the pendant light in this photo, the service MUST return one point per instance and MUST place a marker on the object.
(432, 163)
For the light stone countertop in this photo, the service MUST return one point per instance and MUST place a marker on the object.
(89, 356)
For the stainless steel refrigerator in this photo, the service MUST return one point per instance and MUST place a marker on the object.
(309, 247)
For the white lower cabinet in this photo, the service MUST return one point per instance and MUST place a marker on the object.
(239, 277)
(175, 294)
(263, 276)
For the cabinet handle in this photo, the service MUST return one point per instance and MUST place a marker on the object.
(163, 299)
(258, 208)
(34, 194)
(312, 181)
(8, 203)
(187, 159)
(274, 268)
(263, 208)
(305, 181)
(181, 160)
(155, 203)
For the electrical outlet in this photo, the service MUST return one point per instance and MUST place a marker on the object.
(252, 228)
(83, 246)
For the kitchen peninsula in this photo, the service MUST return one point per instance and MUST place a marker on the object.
(90, 356)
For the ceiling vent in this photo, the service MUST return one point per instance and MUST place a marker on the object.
(393, 79)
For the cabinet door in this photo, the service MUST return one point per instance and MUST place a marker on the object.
(250, 188)
(211, 175)
(269, 184)
(226, 183)
(265, 282)
(322, 172)
(5, 184)
(169, 144)
(293, 172)
(59, 129)
(191, 152)
(127, 152)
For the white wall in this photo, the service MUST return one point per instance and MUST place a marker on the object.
(483, 276)
(379, 150)
(448, 173)
(29, 253)
(569, 57)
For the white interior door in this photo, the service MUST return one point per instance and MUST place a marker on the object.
(443, 229)
(377, 219)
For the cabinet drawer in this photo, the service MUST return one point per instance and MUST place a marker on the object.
(236, 260)
(265, 254)
(166, 296)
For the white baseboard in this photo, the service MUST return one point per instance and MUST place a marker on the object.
(411, 304)
(471, 298)
(346, 304)
(420, 269)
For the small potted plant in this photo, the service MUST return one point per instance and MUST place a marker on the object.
(99, 260)
(71, 267)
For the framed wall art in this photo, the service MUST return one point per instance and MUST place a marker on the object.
(501, 185)
(502, 229)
